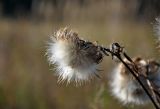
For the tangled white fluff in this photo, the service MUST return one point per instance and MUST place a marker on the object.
(73, 61)
(126, 88)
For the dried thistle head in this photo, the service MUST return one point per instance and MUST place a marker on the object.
(125, 87)
(156, 28)
(75, 59)
(154, 72)
(153, 67)
(140, 66)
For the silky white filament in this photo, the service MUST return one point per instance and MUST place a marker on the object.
(126, 88)
(75, 59)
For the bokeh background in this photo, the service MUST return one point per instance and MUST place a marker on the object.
(26, 79)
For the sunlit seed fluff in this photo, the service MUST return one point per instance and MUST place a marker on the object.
(75, 59)
(156, 76)
(125, 87)
(157, 28)
(154, 72)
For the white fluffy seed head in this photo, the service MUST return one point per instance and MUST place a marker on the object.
(75, 59)
(125, 87)
(155, 77)
(154, 72)
(157, 28)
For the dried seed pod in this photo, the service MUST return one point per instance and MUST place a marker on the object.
(76, 59)
(125, 87)
(156, 28)
(154, 72)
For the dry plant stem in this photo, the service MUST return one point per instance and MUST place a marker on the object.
(118, 55)
(152, 91)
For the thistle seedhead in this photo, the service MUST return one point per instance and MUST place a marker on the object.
(125, 87)
(156, 28)
(153, 75)
(75, 59)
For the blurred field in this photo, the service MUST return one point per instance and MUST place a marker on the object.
(26, 79)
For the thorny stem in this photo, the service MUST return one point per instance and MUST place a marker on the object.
(118, 55)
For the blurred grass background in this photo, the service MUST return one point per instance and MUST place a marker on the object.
(26, 79)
